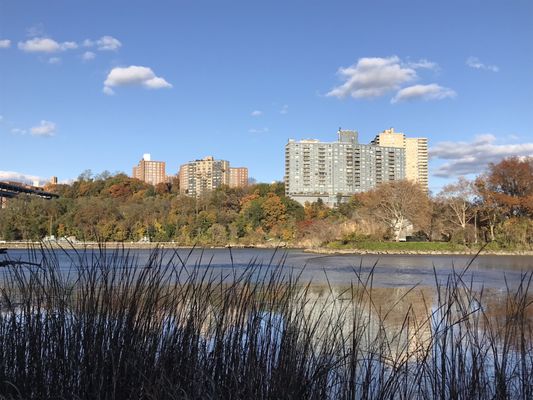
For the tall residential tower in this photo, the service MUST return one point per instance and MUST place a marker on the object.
(416, 154)
(334, 171)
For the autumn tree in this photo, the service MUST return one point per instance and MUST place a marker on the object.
(489, 211)
(505, 197)
(397, 204)
(273, 212)
(510, 182)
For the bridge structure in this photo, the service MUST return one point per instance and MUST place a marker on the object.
(9, 190)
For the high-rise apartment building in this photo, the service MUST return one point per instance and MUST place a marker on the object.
(201, 176)
(238, 177)
(416, 154)
(334, 171)
(149, 171)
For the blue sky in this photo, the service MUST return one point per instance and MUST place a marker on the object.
(95, 84)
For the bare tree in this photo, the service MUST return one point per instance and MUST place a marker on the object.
(397, 204)
(458, 201)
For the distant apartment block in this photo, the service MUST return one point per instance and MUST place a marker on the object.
(334, 171)
(238, 177)
(416, 154)
(201, 176)
(152, 172)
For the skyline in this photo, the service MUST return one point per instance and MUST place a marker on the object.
(237, 80)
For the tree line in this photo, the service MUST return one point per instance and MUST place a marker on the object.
(496, 207)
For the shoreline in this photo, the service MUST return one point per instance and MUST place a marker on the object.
(526, 253)
(315, 250)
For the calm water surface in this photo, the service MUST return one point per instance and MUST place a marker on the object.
(389, 270)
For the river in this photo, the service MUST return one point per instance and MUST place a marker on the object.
(389, 271)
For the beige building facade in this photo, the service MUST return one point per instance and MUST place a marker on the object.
(152, 172)
(416, 154)
(201, 176)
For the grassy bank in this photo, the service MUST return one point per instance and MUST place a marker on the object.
(110, 328)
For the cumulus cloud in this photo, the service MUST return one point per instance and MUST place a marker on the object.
(372, 77)
(284, 109)
(39, 45)
(474, 62)
(256, 113)
(18, 131)
(88, 56)
(108, 43)
(19, 177)
(5, 43)
(54, 60)
(463, 158)
(133, 76)
(45, 45)
(88, 43)
(45, 128)
(423, 92)
(375, 77)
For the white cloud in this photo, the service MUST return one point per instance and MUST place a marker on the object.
(372, 77)
(156, 83)
(18, 131)
(45, 128)
(54, 60)
(108, 43)
(104, 43)
(69, 45)
(19, 177)
(284, 109)
(133, 76)
(88, 55)
(39, 45)
(474, 62)
(5, 43)
(256, 113)
(424, 92)
(45, 45)
(463, 158)
(258, 130)
(423, 64)
(107, 90)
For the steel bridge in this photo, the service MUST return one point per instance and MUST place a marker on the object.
(10, 190)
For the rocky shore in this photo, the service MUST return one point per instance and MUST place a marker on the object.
(322, 250)
(271, 245)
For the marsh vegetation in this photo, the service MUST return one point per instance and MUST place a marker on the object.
(172, 327)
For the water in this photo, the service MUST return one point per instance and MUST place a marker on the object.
(401, 318)
(389, 271)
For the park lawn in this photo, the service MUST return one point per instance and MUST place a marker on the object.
(403, 246)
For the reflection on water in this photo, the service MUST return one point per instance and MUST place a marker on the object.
(338, 327)
(387, 270)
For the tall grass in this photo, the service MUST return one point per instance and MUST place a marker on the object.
(111, 327)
